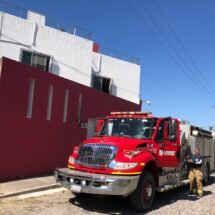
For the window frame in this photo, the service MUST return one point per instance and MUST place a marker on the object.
(151, 121)
(47, 59)
(102, 78)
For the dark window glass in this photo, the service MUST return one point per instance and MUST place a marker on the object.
(26, 57)
(101, 83)
(97, 82)
(160, 132)
(106, 85)
(36, 60)
(139, 128)
(47, 63)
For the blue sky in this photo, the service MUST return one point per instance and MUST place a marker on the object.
(115, 25)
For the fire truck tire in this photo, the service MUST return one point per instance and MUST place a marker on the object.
(143, 197)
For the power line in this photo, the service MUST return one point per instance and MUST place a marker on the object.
(182, 46)
(197, 79)
(208, 126)
(164, 47)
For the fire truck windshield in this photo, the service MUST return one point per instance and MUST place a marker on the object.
(139, 128)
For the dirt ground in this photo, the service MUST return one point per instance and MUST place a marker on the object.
(61, 202)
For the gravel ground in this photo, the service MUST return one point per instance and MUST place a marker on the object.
(61, 202)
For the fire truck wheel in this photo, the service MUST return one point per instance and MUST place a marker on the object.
(143, 196)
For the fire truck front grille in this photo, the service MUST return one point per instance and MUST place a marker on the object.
(96, 156)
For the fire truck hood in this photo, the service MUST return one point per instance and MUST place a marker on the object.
(120, 142)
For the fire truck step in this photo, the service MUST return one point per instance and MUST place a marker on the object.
(172, 186)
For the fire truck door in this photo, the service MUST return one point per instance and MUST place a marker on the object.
(168, 143)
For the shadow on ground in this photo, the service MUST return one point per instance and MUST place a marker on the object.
(117, 205)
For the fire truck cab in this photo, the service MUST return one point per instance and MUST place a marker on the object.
(135, 154)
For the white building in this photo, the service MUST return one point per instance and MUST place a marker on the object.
(70, 56)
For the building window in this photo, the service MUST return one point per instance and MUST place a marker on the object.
(101, 83)
(37, 60)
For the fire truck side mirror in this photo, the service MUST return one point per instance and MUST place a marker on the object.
(173, 130)
(170, 130)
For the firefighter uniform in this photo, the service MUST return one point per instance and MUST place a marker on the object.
(196, 175)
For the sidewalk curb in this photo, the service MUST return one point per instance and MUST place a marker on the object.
(41, 188)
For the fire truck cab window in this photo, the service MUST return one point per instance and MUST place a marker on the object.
(128, 127)
(160, 132)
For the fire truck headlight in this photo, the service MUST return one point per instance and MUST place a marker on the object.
(121, 166)
(71, 160)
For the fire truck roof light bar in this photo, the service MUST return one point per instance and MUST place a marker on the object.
(128, 113)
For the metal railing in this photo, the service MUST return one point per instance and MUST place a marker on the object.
(22, 12)
(119, 55)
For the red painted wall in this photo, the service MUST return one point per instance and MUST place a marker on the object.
(31, 147)
(96, 47)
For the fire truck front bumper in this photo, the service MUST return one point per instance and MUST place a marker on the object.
(99, 184)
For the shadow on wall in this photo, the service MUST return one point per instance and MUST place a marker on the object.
(114, 89)
(55, 69)
(0, 63)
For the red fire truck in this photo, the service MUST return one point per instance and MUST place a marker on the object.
(135, 154)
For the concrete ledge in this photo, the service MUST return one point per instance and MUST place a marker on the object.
(25, 186)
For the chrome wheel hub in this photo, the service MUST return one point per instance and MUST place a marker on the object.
(149, 191)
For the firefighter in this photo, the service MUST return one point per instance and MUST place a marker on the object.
(196, 175)
(186, 154)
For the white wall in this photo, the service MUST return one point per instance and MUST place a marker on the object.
(67, 50)
(125, 76)
(72, 56)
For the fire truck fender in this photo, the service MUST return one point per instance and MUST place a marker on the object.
(150, 165)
